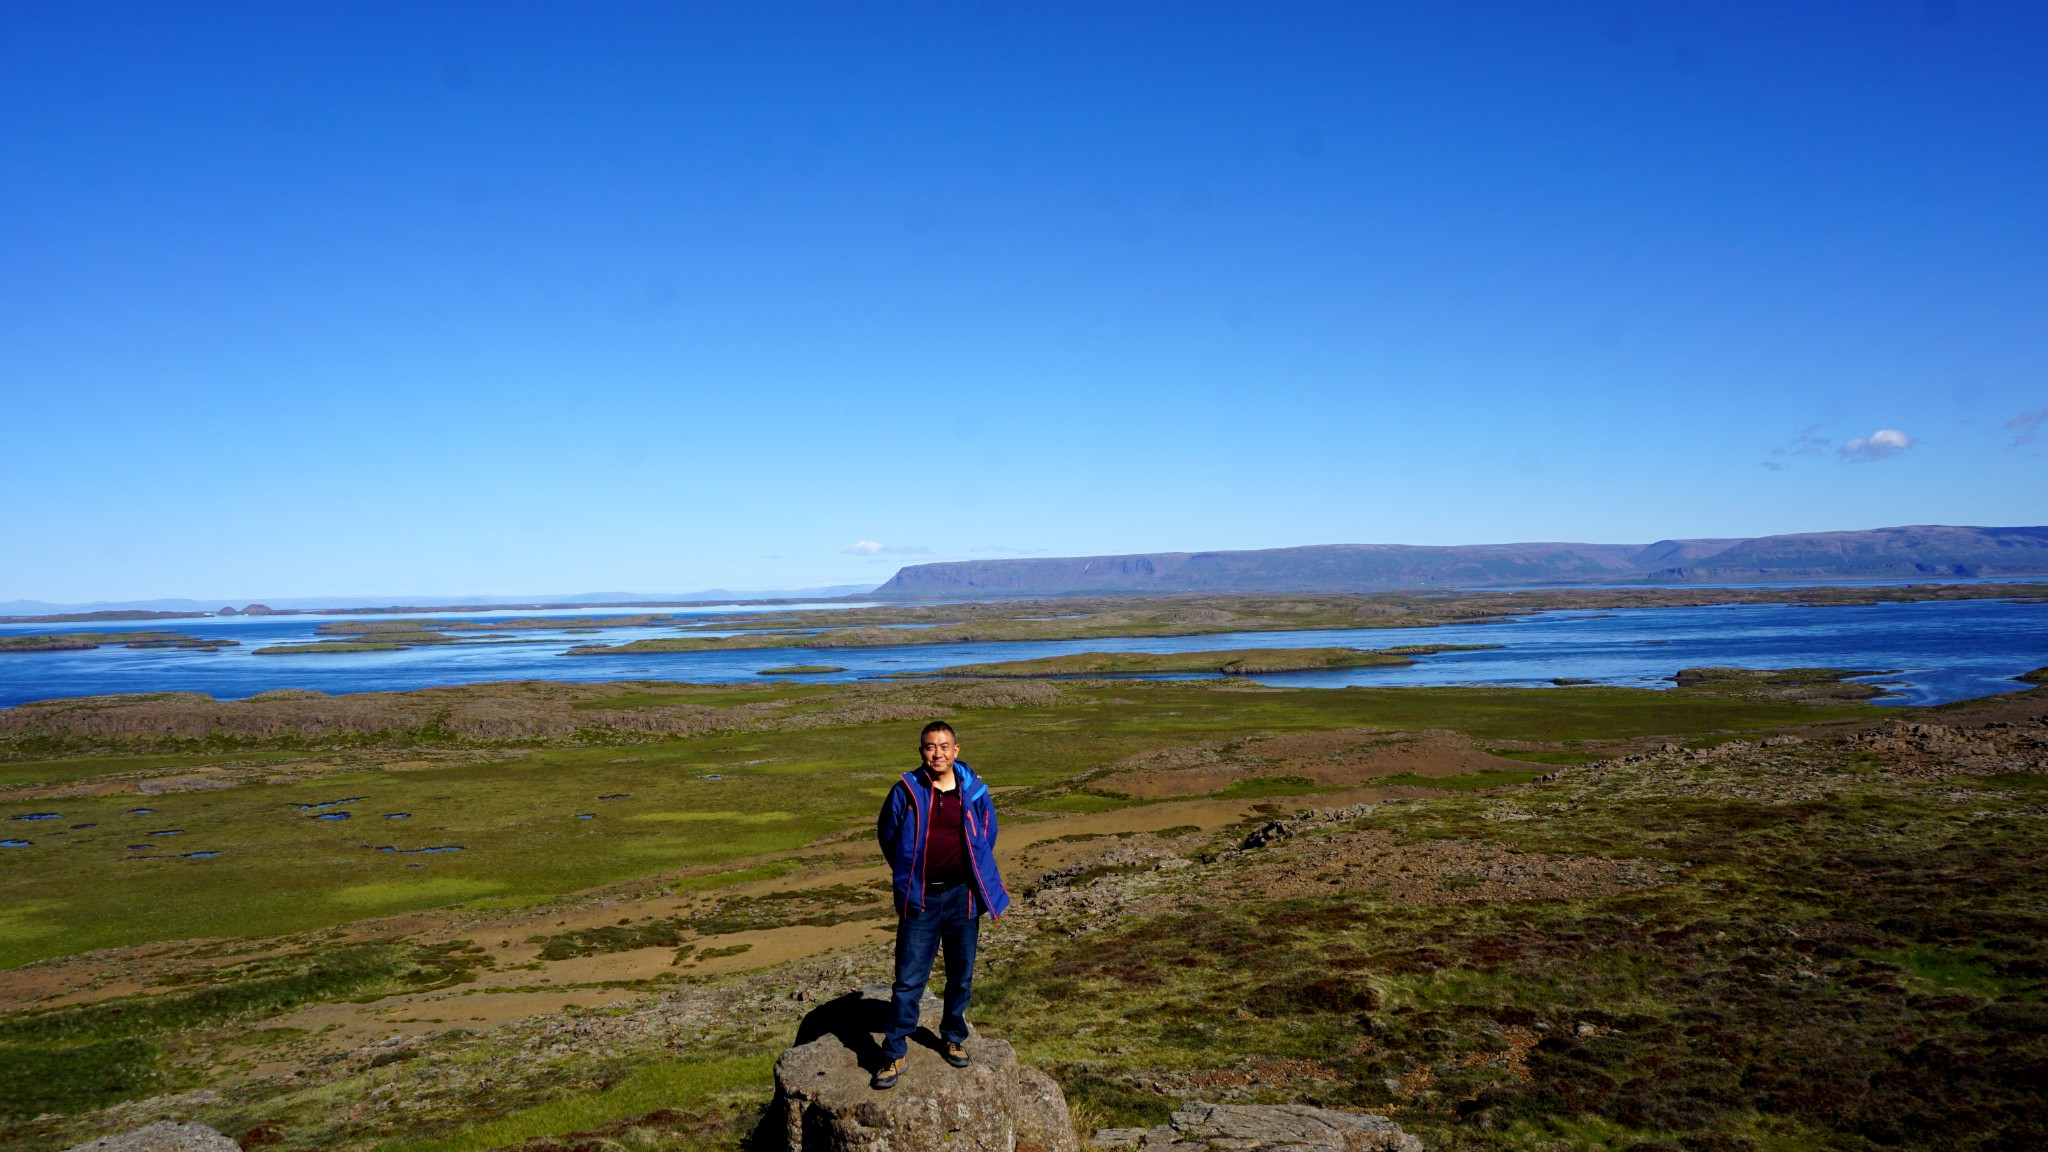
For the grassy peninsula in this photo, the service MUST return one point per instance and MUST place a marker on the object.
(381, 640)
(1237, 662)
(78, 641)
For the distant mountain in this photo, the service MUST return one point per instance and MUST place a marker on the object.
(46, 608)
(1932, 550)
(1921, 552)
(316, 603)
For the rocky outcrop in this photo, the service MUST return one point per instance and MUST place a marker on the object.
(162, 1136)
(1274, 831)
(1200, 1127)
(824, 1103)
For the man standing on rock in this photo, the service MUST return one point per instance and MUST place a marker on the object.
(938, 831)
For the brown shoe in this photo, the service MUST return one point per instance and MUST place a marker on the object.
(956, 1054)
(885, 1076)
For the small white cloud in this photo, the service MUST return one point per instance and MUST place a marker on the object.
(876, 548)
(2024, 427)
(1874, 447)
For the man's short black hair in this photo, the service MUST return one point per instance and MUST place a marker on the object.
(938, 726)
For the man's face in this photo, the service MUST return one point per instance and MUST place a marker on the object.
(938, 750)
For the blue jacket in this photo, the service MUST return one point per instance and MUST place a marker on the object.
(906, 820)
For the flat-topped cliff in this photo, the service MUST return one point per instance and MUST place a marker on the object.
(1915, 552)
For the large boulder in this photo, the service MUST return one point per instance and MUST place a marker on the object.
(1200, 1127)
(163, 1136)
(992, 1105)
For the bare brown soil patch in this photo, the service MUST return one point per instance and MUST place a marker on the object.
(1340, 758)
(1438, 872)
(1347, 756)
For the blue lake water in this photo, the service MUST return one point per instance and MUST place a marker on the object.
(1928, 653)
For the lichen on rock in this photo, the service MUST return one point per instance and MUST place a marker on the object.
(163, 1136)
(993, 1105)
(1201, 1127)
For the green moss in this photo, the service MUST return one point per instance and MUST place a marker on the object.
(245, 992)
(1948, 970)
(817, 907)
(664, 1085)
(87, 1056)
(1114, 1104)
(413, 892)
(76, 1078)
(607, 939)
(1081, 801)
(768, 871)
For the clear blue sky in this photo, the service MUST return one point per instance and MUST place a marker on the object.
(304, 299)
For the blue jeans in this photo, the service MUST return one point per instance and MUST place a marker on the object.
(949, 918)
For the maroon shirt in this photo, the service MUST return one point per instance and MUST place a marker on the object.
(945, 847)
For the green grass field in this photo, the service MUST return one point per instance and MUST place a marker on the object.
(519, 817)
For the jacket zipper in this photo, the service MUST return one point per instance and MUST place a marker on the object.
(982, 885)
(924, 840)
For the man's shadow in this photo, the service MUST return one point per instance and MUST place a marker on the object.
(854, 1020)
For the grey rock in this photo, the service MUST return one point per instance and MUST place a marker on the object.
(992, 1105)
(1271, 831)
(1043, 1124)
(1274, 831)
(162, 1136)
(1200, 1127)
